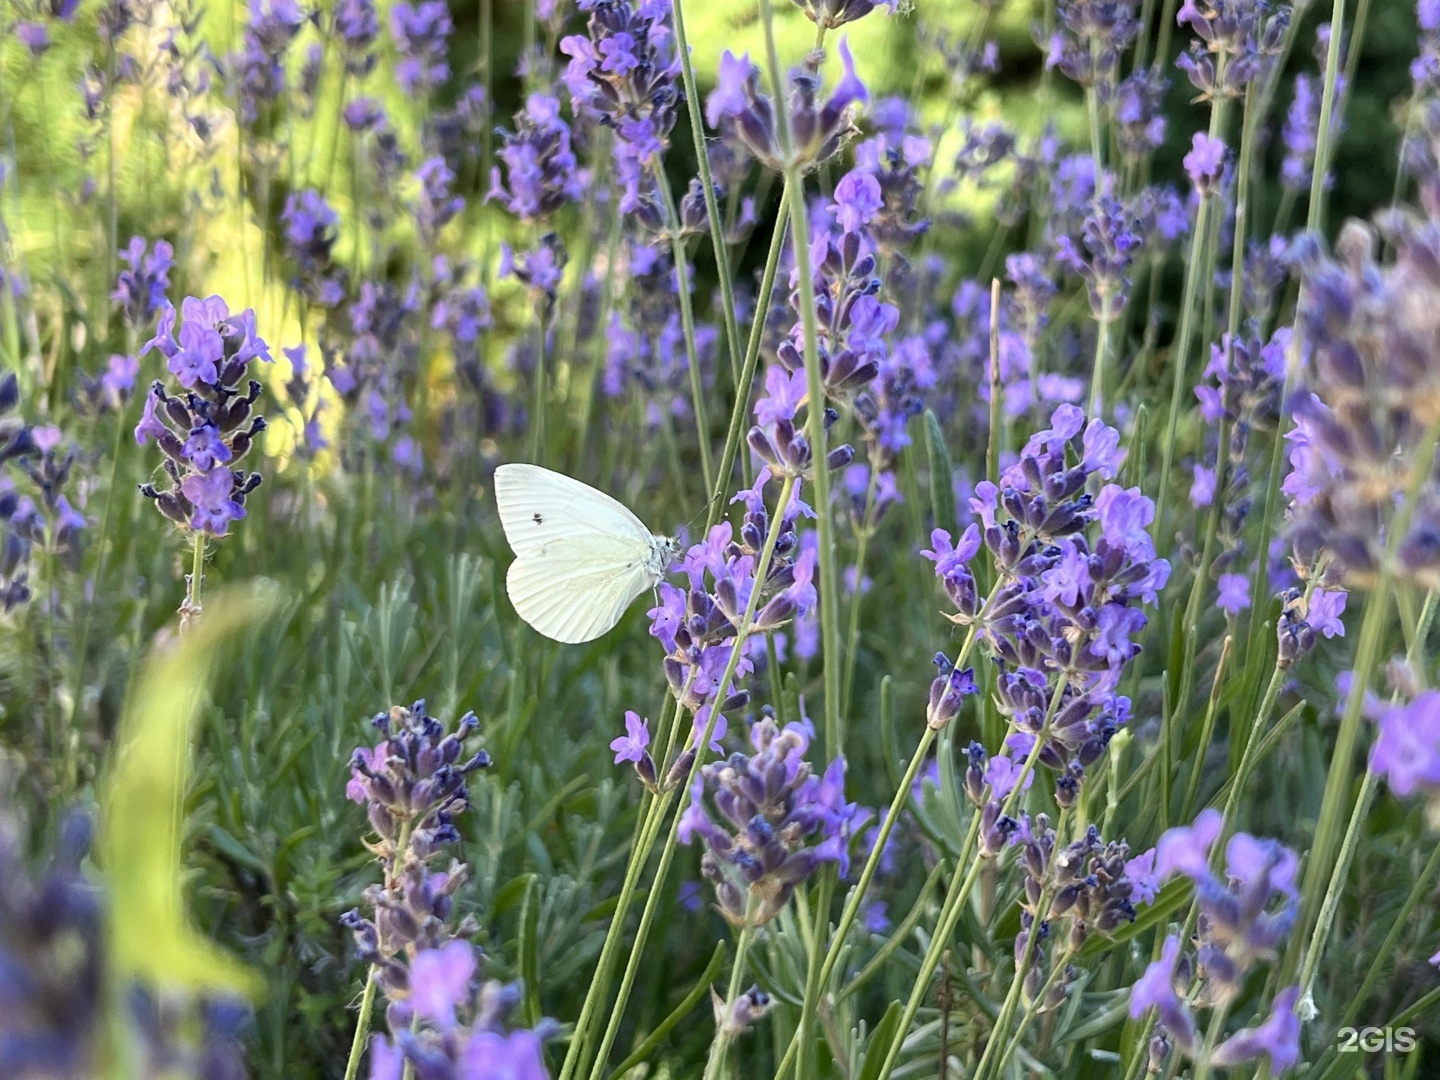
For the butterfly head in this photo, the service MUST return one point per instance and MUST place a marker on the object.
(665, 551)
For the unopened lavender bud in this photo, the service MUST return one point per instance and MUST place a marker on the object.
(680, 769)
(1159, 1051)
(645, 770)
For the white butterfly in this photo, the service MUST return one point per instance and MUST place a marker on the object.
(581, 557)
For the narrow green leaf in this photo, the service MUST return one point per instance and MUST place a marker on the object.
(942, 473)
(142, 805)
(886, 1032)
(697, 993)
(530, 950)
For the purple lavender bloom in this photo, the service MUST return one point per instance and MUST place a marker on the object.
(440, 979)
(1109, 243)
(631, 746)
(1139, 117)
(259, 67)
(140, 289)
(626, 74)
(310, 232)
(1090, 39)
(1234, 594)
(1323, 614)
(1407, 751)
(1205, 163)
(1353, 467)
(421, 35)
(358, 28)
(437, 204)
(818, 128)
(770, 804)
(540, 168)
(206, 431)
(1278, 1038)
(1185, 849)
(857, 200)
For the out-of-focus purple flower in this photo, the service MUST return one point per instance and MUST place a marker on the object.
(1278, 1038)
(140, 288)
(540, 169)
(440, 979)
(818, 128)
(1205, 163)
(1407, 750)
(310, 231)
(1234, 594)
(421, 33)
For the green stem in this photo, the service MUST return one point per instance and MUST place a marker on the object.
(851, 910)
(667, 854)
(1207, 729)
(815, 405)
(741, 408)
(960, 892)
(712, 205)
(687, 323)
(1248, 756)
(1321, 858)
(720, 1046)
(362, 1027)
(1017, 984)
(1194, 270)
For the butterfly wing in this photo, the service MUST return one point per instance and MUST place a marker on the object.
(539, 507)
(576, 589)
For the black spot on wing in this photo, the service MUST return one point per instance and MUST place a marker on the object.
(539, 519)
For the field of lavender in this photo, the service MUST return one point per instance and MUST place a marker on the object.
(1043, 400)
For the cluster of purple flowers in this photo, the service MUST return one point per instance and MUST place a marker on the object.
(1065, 612)
(1235, 44)
(1406, 751)
(207, 429)
(57, 1004)
(818, 129)
(645, 344)
(540, 170)
(310, 231)
(772, 804)
(1244, 918)
(625, 72)
(1239, 394)
(259, 68)
(421, 33)
(444, 1022)
(1068, 894)
(698, 625)
(17, 441)
(1363, 485)
(459, 1026)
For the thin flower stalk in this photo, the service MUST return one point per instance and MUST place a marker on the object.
(886, 826)
(741, 409)
(1194, 268)
(1363, 801)
(712, 204)
(998, 1035)
(959, 891)
(815, 409)
(687, 324)
(667, 852)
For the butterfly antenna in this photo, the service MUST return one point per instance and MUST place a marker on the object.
(709, 506)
